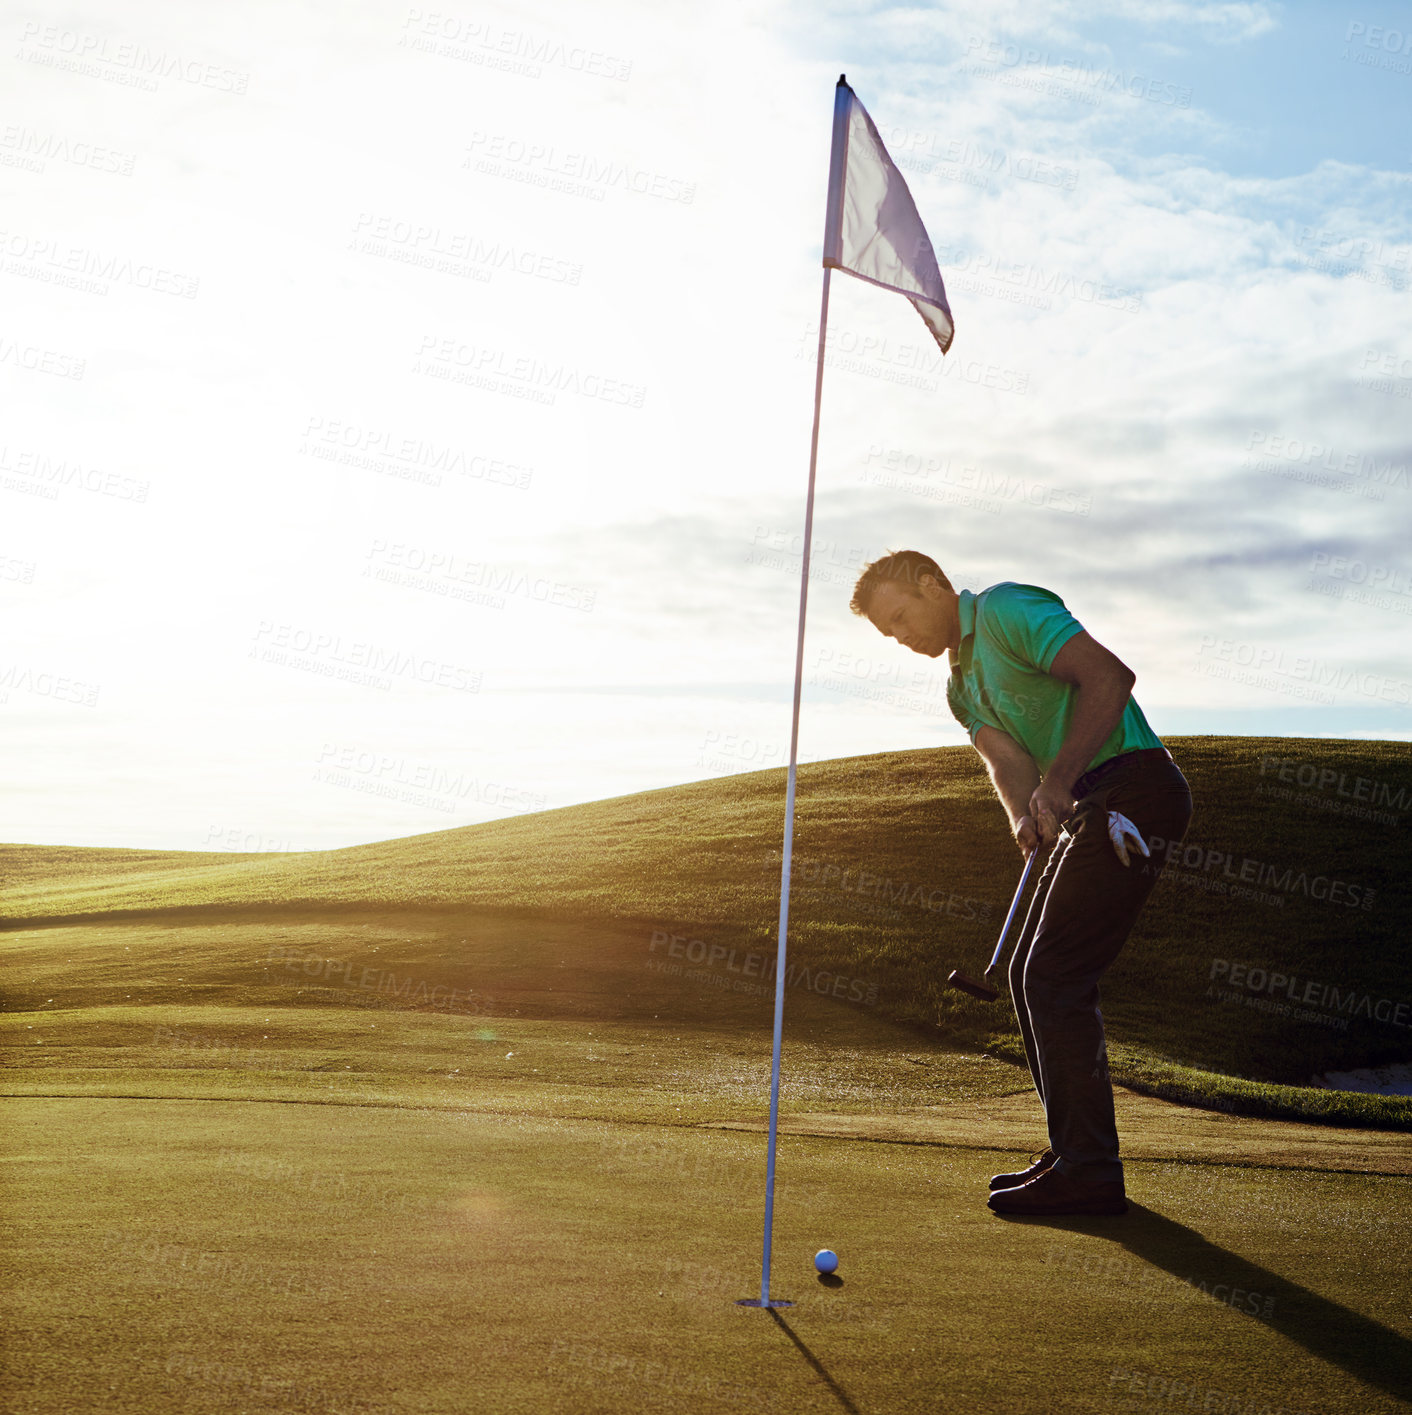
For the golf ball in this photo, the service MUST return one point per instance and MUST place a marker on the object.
(826, 1260)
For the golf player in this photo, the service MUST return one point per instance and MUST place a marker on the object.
(1080, 773)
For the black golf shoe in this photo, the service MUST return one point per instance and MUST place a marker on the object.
(1055, 1193)
(1011, 1181)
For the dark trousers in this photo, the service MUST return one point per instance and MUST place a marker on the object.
(1083, 910)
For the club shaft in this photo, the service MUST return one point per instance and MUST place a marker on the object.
(1010, 917)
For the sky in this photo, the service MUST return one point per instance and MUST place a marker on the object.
(407, 409)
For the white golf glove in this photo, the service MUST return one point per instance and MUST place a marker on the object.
(1123, 833)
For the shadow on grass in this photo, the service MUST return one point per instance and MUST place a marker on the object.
(840, 1394)
(1362, 1347)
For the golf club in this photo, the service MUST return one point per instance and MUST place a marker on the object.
(983, 989)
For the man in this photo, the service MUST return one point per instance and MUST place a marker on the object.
(1076, 767)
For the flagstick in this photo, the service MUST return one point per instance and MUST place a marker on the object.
(789, 815)
(831, 223)
(922, 284)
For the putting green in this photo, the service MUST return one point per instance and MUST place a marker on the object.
(239, 1178)
(171, 1255)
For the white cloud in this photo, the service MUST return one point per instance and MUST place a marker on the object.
(1215, 23)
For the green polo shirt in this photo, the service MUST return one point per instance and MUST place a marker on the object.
(1010, 635)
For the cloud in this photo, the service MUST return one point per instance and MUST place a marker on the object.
(1214, 23)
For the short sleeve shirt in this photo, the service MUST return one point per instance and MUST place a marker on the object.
(1010, 637)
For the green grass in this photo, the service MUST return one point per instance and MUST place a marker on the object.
(167, 1256)
(671, 1074)
(427, 1126)
(903, 870)
(1210, 1090)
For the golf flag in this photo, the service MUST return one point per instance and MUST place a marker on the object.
(873, 230)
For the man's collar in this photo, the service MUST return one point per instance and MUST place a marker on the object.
(966, 612)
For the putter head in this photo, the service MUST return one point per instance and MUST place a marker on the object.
(984, 991)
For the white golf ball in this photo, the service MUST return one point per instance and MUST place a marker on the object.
(826, 1260)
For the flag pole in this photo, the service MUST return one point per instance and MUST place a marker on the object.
(888, 246)
(832, 221)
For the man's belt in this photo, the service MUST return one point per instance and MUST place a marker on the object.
(1091, 780)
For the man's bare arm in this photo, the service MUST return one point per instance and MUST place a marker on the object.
(1103, 683)
(1015, 776)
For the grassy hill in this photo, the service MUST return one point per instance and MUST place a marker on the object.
(903, 868)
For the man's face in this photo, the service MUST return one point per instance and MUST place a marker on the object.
(917, 621)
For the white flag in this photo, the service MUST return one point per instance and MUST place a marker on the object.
(873, 229)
